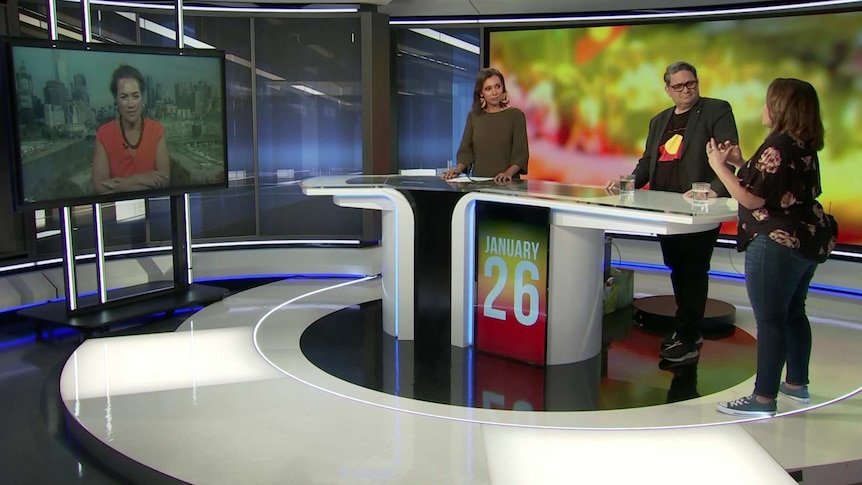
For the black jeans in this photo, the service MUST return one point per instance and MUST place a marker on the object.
(688, 257)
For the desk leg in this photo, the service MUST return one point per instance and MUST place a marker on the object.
(574, 294)
(463, 261)
(398, 255)
(397, 278)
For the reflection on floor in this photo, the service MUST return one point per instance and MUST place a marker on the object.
(35, 444)
(235, 396)
(206, 388)
(351, 345)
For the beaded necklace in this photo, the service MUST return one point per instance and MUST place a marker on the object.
(126, 140)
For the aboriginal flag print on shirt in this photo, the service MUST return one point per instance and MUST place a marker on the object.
(669, 152)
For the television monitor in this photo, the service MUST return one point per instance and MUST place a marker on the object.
(103, 122)
(589, 91)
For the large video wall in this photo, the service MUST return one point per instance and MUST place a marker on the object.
(589, 92)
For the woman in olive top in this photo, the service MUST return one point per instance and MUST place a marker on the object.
(494, 143)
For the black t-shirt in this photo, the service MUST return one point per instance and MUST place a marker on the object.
(669, 152)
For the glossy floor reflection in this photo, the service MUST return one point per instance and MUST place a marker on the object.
(36, 446)
(351, 345)
(233, 397)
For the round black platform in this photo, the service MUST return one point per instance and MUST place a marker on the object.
(350, 344)
(657, 314)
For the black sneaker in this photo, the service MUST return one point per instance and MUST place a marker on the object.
(679, 351)
(665, 342)
(676, 366)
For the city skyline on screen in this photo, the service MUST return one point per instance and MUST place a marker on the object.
(62, 96)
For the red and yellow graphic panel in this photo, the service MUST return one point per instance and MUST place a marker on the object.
(512, 281)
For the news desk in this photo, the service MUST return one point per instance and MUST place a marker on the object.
(418, 256)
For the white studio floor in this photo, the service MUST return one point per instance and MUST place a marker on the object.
(230, 398)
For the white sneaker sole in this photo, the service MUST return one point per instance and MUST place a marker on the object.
(691, 355)
(738, 412)
(801, 400)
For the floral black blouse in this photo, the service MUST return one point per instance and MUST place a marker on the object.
(786, 174)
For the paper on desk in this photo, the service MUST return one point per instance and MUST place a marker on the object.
(465, 179)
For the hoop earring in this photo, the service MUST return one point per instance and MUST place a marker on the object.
(482, 103)
(504, 99)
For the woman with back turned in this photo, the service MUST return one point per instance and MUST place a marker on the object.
(784, 233)
(494, 143)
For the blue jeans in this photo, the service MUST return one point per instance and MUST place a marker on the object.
(777, 279)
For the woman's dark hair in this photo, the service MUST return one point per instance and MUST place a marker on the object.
(125, 71)
(794, 108)
(484, 75)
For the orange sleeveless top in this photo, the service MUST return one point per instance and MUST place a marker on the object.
(120, 157)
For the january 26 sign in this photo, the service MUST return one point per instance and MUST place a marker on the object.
(512, 282)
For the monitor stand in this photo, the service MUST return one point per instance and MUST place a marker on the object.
(98, 311)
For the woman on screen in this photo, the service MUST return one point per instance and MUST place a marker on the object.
(131, 153)
(494, 143)
(785, 233)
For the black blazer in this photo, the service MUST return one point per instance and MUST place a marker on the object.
(710, 118)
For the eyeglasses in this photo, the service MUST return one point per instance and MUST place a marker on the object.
(679, 87)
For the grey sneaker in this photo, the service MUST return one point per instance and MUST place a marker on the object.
(747, 406)
(798, 395)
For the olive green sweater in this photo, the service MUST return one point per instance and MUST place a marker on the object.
(494, 141)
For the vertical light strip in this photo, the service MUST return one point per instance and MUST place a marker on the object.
(52, 20)
(188, 237)
(99, 235)
(71, 285)
(470, 262)
(98, 227)
(68, 259)
(178, 9)
(85, 21)
(187, 226)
